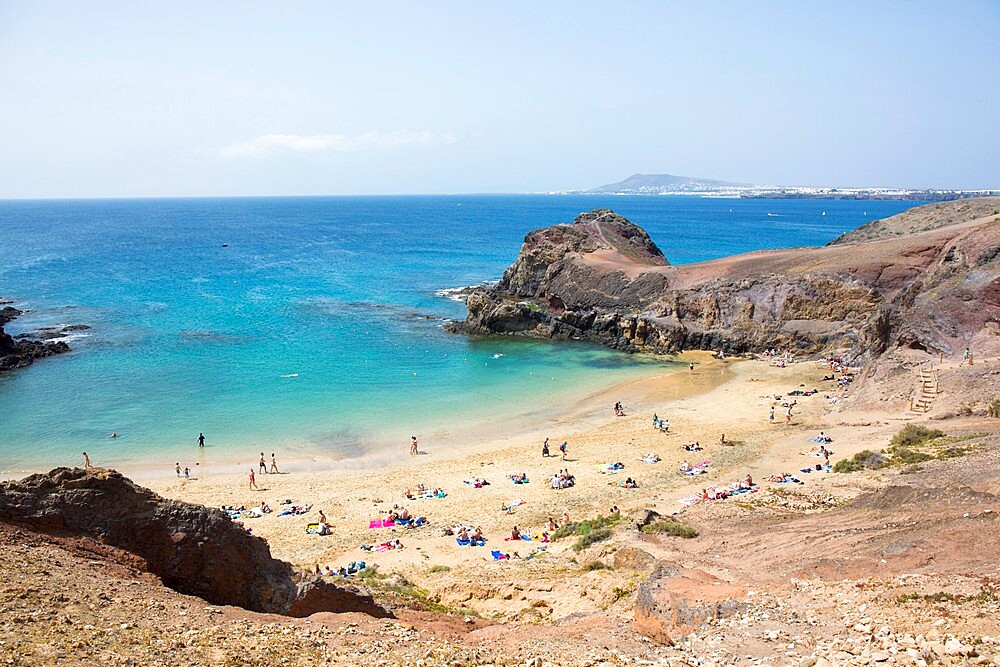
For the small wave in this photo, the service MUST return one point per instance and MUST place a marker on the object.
(459, 293)
(290, 375)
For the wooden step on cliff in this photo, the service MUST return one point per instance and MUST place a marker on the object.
(927, 390)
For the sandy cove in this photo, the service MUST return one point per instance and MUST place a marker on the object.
(731, 397)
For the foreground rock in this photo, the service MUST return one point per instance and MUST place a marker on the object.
(193, 549)
(18, 353)
(602, 279)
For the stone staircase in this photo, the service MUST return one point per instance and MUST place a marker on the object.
(927, 390)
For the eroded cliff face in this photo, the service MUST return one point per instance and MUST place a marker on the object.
(193, 549)
(602, 279)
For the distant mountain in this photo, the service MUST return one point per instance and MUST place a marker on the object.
(665, 183)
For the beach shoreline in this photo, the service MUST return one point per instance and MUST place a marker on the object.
(730, 396)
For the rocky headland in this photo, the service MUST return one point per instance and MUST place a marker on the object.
(24, 349)
(927, 280)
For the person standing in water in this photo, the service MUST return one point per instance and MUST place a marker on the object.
(201, 439)
(86, 461)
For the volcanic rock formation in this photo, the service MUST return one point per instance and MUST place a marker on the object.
(193, 549)
(24, 350)
(929, 282)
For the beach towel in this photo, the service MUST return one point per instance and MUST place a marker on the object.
(497, 555)
(526, 538)
(463, 543)
(649, 460)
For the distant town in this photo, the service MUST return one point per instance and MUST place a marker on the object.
(668, 184)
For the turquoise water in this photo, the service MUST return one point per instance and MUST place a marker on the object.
(317, 331)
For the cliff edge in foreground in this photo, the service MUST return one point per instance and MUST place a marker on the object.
(602, 279)
(193, 549)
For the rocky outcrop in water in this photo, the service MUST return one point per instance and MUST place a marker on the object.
(602, 279)
(23, 350)
(193, 549)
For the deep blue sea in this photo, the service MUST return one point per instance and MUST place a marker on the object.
(317, 331)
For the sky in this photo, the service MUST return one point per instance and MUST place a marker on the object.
(132, 99)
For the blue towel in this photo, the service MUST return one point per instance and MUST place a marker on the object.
(463, 543)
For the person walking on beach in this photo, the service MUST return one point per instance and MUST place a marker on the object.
(965, 356)
(274, 464)
(187, 472)
(253, 480)
(201, 439)
(413, 446)
(177, 468)
(562, 448)
(262, 464)
(772, 414)
(545, 447)
(788, 415)
(86, 461)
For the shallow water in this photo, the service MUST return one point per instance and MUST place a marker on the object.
(311, 326)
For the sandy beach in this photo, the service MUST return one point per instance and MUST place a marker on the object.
(719, 396)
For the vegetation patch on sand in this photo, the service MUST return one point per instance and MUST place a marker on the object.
(670, 527)
(913, 445)
(589, 531)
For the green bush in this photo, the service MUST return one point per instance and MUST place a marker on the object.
(595, 565)
(904, 456)
(594, 536)
(866, 459)
(913, 435)
(993, 409)
(581, 528)
(669, 527)
(439, 568)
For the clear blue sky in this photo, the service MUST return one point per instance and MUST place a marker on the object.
(253, 98)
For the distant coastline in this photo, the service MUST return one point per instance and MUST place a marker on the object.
(670, 185)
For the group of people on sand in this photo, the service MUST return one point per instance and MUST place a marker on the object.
(563, 448)
(262, 464)
(562, 479)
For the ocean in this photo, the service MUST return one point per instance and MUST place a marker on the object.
(312, 327)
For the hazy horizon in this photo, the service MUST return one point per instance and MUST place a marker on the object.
(114, 100)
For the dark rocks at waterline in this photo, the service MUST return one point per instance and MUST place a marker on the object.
(25, 349)
(195, 550)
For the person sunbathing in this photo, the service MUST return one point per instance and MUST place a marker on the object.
(515, 533)
(462, 535)
(685, 467)
(631, 484)
(477, 536)
(747, 482)
(551, 525)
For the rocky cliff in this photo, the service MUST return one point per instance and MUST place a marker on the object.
(601, 278)
(18, 353)
(193, 549)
